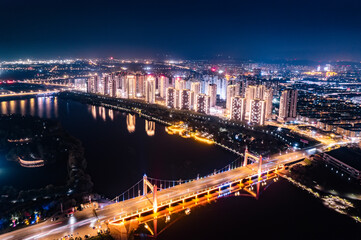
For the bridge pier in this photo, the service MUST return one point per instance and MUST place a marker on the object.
(155, 222)
(122, 231)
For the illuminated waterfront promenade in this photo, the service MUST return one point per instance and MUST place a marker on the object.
(32, 163)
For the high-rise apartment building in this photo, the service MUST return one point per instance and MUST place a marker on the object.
(268, 97)
(114, 87)
(231, 92)
(257, 113)
(262, 93)
(288, 105)
(238, 108)
(170, 97)
(129, 87)
(164, 83)
(212, 93)
(93, 84)
(202, 103)
(196, 89)
(150, 89)
(180, 84)
(140, 82)
(185, 99)
(222, 84)
(106, 83)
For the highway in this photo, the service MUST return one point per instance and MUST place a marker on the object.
(81, 222)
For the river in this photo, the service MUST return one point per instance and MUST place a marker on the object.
(120, 148)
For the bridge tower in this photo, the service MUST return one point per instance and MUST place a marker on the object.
(259, 160)
(248, 154)
(153, 188)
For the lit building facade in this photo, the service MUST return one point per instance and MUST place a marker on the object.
(129, 87)
(140, 82)
(231, 92)
(114, 87)
(196, 89)
(170, 97)
(180, 83)
(203, 103)
(288, 105)
(93, 84)
(262, 93)
(268, 97)
(106, 83)
(238, 108)
(258, 111)
(163, 85)
(150, 90)
(185, 99)
(212, 93)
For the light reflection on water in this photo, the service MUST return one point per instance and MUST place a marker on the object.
(108, 114)
(46, 107)
(131, 123)
(22, 107)
(12, 106)
(109, 135)
(4, 107)
(32, 107)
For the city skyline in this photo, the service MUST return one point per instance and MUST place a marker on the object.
(274, 121)
(180, 119)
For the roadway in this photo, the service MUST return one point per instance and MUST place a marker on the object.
(82, 221)
(56, 229)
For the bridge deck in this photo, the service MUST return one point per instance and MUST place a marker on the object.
(176, 193)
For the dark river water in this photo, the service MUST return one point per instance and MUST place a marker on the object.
(120, 148)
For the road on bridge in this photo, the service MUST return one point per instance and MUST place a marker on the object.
(83, 221)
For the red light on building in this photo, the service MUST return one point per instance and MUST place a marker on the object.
(213, 69)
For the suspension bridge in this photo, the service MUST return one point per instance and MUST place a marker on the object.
(150, 199)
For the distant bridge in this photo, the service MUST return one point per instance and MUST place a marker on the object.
(33, 93)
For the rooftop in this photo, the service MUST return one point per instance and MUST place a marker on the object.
(348, 156)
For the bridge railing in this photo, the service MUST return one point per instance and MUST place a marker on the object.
(137, 189)
(132, 192)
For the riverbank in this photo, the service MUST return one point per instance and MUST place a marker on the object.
(233, 135)
(333, 190)
(36, 139)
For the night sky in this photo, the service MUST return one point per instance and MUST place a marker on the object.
(257, 29)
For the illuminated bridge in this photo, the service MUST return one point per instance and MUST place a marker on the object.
(151, 201)
(31, 93)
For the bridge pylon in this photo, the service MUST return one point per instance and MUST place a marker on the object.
(153, 188)
(247, 154)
